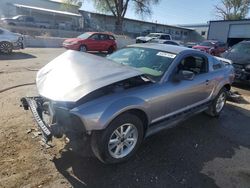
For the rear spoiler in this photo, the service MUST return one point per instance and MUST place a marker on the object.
(223, 60)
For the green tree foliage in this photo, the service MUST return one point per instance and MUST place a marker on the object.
(119, 8)
(232, 9)
(68, 5)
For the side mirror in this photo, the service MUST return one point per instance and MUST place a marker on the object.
(184, 75)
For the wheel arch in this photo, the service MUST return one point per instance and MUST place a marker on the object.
(227, 86)
(130, 105)
(140, 114)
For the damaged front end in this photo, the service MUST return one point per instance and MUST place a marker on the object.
(71, 80)
(53, 119)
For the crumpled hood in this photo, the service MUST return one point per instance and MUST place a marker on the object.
(73, 75)
(237, 58)
(144, 38)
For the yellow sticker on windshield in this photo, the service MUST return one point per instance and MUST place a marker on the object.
(165, 54)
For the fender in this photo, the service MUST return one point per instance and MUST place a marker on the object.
(98, 116)
(121, 106)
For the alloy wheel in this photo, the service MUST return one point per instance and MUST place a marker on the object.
(220, 102)
(123, 140)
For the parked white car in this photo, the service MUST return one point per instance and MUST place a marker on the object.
(153, 36)
(10, 41)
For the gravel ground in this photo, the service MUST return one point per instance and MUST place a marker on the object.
(200, 152)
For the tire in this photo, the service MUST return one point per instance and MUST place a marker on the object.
(83, 48)
(6, 47)
(120, 150)
(218, 103)
(110, 50)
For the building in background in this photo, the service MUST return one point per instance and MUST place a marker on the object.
(134, 28)
(230, 32)
(201, 29)
(43, 11)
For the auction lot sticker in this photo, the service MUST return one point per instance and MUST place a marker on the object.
(165, 54)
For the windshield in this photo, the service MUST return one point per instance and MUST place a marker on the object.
(84, 36)
(206, 44)
(241, 48)
(15, 17)
(153, 35)
(152, 62)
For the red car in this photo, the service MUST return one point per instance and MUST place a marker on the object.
(212, 47)
(92, 41)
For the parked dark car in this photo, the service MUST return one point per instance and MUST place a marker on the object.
(135, 92)
(92, 41)
(240, 56)
(212, 47)
(22, 20)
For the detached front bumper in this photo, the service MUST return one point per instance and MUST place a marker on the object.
(31, 102)
(52, 120)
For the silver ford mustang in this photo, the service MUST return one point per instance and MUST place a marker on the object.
(119, 100)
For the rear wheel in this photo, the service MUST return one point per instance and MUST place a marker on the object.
(218, 104)
(110, 50)
(6, 47)
(119, 141)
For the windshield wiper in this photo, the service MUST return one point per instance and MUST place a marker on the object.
(147, 78)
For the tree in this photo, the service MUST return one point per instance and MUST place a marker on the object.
(68, 5)
(232, 9)
(118, 9)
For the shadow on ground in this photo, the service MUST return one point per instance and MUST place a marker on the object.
(16, 56)
(172, 158)
(242, 85)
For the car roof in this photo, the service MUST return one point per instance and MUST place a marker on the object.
(163, 47)
(159, 33)
(105, 33)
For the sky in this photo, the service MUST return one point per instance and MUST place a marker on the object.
(173, 12)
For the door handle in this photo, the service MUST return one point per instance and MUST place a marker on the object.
(207, 82)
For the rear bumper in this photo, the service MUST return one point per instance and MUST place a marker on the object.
(30, 102)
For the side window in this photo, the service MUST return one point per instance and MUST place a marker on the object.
(1, 31)
(29, 19)
(103, 37)
(217, 64)
(111, 37)
(196, 64)
(94, 37)
(165, 37)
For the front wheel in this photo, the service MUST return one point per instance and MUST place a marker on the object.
(218, 103)
(83, 48)
(6, 47)
(119, 141)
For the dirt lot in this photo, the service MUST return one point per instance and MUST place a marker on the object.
(201, 152)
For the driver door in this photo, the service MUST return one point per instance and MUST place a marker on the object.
(189, 93)
(177, 96)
